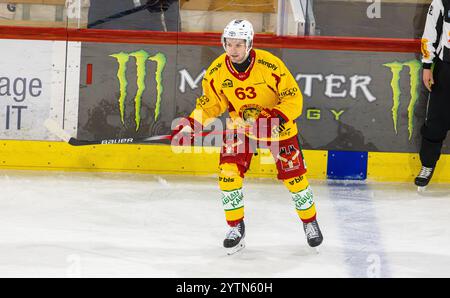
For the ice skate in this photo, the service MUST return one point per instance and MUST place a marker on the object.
(234, 240)
(313, 233)
(424, 178)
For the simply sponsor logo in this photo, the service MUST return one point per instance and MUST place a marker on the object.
(396, 68)
(140, 57)
(268, 64)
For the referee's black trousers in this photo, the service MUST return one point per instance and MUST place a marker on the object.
(437, 121)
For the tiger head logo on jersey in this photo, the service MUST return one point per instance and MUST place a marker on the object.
(250, 113)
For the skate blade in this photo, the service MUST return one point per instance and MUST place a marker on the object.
(237, 248)
(314, 250)
(421, 188)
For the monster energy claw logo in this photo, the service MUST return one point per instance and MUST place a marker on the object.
(141, 58)
(414, 77)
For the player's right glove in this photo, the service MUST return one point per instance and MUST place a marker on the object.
(183, 133)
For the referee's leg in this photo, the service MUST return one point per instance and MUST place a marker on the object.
(435, 128)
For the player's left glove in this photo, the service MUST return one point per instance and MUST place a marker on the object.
(267, 124)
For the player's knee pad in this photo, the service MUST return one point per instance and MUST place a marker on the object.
(229, 177)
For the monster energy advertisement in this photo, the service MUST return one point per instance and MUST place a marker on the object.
(141, 58)
(132, 92)
(358, 101)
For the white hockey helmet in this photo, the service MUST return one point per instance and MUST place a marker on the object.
(239, 29)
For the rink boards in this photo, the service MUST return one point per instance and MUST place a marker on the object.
(160, 159)
(363, 100)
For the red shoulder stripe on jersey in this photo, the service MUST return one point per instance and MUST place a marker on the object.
(241, 75)
(277, 78)
(211, 83)
(272, 90)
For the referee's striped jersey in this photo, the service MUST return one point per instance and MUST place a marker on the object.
(436, 36)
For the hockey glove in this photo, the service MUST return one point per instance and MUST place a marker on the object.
(183, 133)
(267, 124)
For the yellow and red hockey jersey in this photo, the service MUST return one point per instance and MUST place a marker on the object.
(266, 84)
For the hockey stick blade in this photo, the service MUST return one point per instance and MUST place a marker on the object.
(53, 127)
(77, 142)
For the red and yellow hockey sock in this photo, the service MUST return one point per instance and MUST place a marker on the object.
(303, 197)
(230, 183)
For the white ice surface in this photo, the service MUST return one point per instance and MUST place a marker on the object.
(123, 225)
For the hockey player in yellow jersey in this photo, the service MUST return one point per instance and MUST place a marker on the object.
(262, 96)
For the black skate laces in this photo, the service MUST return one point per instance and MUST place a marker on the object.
(425, 172)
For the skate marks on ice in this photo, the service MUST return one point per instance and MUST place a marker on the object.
(114, 225)
(262, 261)
(388, 229)
(79, 259)
(275, 241)
(108, 225)
(359, 228)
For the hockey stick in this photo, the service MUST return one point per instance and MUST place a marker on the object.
(53, 127)
(118, 15)
(77, 142)
(122, 14)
